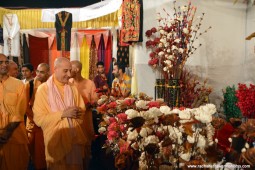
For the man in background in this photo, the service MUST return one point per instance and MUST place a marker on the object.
(121, 85)
(35, 134)
(101, 80)
(27, 71)
(87, 90)
(58, 109)
(14, 152)
(13, 69)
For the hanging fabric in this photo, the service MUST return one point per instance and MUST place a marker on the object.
(92, 59)
(11, 35)
(122, 53)
(38, 50)
(75, 48)
(53, 54)
(108, 53)
(63, 26)
(25, 49)
(132, 15)
(1, 36)
(84, 58)
(110, 76)
(101, 49)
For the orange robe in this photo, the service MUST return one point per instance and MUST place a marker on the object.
(35, 134)
(59, 138)
(87, 89)
(14, 154)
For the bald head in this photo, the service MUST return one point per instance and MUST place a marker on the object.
(13, 69)
(62, 69)
(46, 66)
(77, 64)
(59, 61)
(4, 62)
(42, 72)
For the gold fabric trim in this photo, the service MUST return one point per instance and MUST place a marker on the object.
(31, 19)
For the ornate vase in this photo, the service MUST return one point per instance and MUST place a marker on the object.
(173, 93)
(160, 88)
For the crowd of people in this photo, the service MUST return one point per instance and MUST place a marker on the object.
(46, 121)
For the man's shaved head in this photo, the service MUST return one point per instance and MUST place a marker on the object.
(59, 61)
(77, 64)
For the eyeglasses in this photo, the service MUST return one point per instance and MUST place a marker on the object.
(4, 61)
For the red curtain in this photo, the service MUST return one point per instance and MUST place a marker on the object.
(38, 50)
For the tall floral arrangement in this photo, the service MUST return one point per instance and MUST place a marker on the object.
(173, 41)
(152, 133)
(246, 100)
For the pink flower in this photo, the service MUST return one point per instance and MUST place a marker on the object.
(112, 135)
(154, 104)
(122, 128)
(112, 120)
(123, 147)
(112, 105)
(113, 126)
(129, 101)
(102, 108)
(122, 117)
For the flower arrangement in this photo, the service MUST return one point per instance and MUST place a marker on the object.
(229, 104)
(173, 41)
(246, 100)
(154, 134)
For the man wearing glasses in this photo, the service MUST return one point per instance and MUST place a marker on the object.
(14, 152)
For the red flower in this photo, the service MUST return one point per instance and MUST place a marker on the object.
(153, 30)
(153, 104)
(112, 119)
(148, 43)
(152, 55)
(113, 126)
(112, 105)
(102, 108)
(148, 33)
(129, 101)
(122, 117)
(112, 135)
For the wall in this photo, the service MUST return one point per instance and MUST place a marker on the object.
(221, 58)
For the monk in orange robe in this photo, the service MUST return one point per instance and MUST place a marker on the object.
(14, 152)
(87, 89)
(35, 134)
(58, 110)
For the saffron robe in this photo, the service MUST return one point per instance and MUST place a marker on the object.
(59, 137)
(14, 154)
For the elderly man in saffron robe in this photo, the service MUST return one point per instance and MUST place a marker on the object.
(58, 110)
(87, 89)
(14, 152)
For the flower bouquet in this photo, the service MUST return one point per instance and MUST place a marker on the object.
(151, 134)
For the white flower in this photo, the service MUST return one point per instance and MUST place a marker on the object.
(247, 145)
(243, 150)
(230, 140)
(216, 140)
(191, 139)
(201, 141)
(131, 113)
(161, 53)
(168, 62)
(169, 35)
(161, 31)
(212, 108)
(165, 109)
(175, 111)
(165, 69)
(163, 40)
(185, 31)
(177, 40)
(170, 57)
(181, 50)
(144, 132)
(151, 139)
(185, 114)
(168, 50)
(142, 104)
(132, 135)
(203, 117)
(180, 18)
(160, 45)
(174, 47)
(184, 8)
(101, 129)
(166, 44)
(175, 134)
(186, 156)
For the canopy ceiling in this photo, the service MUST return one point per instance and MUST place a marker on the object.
(23, 4)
